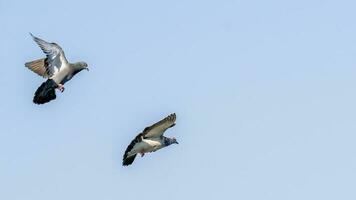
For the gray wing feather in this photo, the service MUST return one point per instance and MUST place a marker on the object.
(53, 52)
(157, 129)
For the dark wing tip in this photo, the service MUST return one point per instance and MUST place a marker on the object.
(128, 161)
(33, 37)
(172, 117)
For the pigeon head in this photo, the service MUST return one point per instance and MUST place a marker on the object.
(174, 141)
(168, 141)
(79, 66)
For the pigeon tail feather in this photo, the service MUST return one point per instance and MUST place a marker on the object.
(46, 92)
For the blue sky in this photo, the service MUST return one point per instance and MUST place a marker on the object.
(263, 91)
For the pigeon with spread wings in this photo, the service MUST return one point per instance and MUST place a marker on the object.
(150, 140)
(55, 68)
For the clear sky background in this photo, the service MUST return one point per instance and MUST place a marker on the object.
(264, 93)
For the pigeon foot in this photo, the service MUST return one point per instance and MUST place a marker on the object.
(61, 87)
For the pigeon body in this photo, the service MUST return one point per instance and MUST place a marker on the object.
(150, 140)
(55, 68)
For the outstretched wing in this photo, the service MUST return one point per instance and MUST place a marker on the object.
(53, 52)
(38, 66)
(128, 159)
(157, 129)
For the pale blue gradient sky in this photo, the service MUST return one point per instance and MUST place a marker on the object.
(264, 92)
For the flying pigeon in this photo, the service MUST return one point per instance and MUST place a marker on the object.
(55, 68)
(150, 140)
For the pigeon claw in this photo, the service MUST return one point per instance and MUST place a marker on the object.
(61, 87)
(142, 154)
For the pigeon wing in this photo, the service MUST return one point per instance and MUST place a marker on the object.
(38, 66)
(157, 129)
(53, 53)
(128, 160)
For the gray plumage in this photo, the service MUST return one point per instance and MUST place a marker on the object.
(54, 67)
(150, 140)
